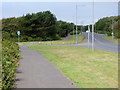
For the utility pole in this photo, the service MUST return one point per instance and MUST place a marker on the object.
(76, 20)
(88, 36)
(112, 29)
(76, 24)
(81, 29)
(73, 33)
(93, 26)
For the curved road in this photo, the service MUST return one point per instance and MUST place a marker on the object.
(100, 43)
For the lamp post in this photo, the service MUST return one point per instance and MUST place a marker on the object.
(88, 36)
(76, 20)
(93, 26)
(76, 24)
(73, 33)
(112, 29)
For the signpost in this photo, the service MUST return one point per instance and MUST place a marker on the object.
(18, 33)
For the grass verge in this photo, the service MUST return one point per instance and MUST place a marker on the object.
(109, 38)
(80, 39)
(87, 69)
(60, 42)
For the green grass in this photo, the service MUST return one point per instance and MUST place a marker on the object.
(25, 43)
(60, 42)
(87, 69)
(109, 38)
(65, 42)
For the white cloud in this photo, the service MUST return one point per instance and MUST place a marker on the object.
(59, 0)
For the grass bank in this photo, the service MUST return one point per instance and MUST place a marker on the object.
(72, 40)
(87, 69)
(60, 42)
(109, 38)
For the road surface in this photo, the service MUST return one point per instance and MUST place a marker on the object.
(37, 72)
(100, 43)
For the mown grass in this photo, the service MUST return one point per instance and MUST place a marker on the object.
(59, 42)
(87, 69)
(25, 43)
(72, 40)
(109, 38)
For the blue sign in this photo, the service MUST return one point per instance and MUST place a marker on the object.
(18, 32)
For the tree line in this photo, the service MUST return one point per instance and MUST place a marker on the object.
(104, 26)
(41, 26)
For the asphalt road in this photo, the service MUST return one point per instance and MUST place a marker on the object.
(37, 72)
(99, 43)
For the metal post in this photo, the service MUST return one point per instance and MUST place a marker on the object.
(76, 24)
(18, 39)
(88, 36)
(112, 29)
(73, 33)
(93, 26)
(81, 29)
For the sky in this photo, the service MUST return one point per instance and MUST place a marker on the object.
(65, 11)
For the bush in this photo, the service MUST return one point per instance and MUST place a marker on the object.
(10, 58)
(78, 32)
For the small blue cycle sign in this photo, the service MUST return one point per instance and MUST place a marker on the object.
(18, 32)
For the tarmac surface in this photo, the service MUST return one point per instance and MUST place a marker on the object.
(37, 72)
(99, 43)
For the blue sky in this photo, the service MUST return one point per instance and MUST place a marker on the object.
(62, 10)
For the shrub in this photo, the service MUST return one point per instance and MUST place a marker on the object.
(78, 32)
(10, 58)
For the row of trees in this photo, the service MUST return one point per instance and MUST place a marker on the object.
(104, 26)
(43, 26)
(37, 27)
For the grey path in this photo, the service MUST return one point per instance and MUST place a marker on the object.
(37, 72)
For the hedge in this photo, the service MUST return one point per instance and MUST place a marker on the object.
(10, 60)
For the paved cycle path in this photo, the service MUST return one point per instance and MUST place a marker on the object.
(37, 72)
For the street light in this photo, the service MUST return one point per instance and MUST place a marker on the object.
(112, 28)
(76, 20)
(73, 33)
(93, 26)
(76, 24)
(88, 36)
